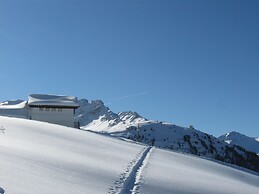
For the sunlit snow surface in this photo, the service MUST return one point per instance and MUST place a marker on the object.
(40, 158)
(169, 172)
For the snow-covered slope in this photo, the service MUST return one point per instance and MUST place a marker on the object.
(168, 173)
(235, 138)
(38, 157)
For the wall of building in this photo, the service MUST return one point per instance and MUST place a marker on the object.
(59, 116)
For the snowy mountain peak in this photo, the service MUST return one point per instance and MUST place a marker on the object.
(130, 116)
(236, 138)
(233, 133)
(93, 111)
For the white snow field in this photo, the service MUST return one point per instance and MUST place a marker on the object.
(40, 158)
(167, 172)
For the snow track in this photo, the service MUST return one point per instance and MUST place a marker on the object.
(141, 171)
(129, 181)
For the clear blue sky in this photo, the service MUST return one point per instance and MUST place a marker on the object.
(179, 61)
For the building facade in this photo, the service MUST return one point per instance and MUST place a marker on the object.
(53, 109)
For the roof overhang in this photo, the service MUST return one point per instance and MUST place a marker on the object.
(51, 106)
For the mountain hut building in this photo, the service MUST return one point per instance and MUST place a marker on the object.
(53, 109)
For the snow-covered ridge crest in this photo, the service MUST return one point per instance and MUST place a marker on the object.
(96, 116)
(95, 110)
(130, 116)
(236, 138)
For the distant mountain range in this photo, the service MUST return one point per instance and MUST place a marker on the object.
(95, 116)
(233, 147)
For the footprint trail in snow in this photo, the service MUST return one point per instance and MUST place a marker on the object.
(129, 181)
